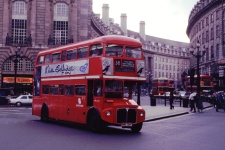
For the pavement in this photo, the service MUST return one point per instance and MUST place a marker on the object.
(160, 111)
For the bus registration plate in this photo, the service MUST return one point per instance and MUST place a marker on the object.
(126, 124)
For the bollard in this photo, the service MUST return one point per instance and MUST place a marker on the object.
(185, 102)
(152, 100)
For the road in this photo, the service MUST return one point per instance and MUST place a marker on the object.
(22, 131)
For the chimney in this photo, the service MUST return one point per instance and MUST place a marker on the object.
(123, 23)
(142, 29)
(105, 14)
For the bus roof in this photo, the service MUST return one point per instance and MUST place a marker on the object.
(113, 39)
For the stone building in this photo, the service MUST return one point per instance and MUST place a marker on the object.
(206, 25)
(29, 26)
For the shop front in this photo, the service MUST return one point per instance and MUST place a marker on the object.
(23, 84)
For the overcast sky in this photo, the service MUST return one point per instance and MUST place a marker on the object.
(163, 18)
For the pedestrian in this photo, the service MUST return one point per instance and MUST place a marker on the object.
(192, 101)
(171, 100)
(219, 100)
(199, 104)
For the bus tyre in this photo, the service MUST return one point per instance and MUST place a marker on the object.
(137, 127)
(44, 114)
(94, 122)
(18, 104)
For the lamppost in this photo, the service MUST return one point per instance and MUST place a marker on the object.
(198, 55)
(16, 58)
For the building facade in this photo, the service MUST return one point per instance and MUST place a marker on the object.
(29, 26)
(206, 25)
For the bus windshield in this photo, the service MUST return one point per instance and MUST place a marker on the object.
(114, 50)
(133, 52)
(113, 89)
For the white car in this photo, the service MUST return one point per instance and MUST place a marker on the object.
(21, 100)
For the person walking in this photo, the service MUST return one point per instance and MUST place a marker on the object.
(219, 100)
(171, 100)
(192, 101)
(199, 103)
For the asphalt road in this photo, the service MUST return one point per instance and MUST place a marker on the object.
(22, 131)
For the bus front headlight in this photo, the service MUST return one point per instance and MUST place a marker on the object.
(108, 113)
(141, 114)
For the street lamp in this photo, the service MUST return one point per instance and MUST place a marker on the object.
(16, 58)
(198, 55)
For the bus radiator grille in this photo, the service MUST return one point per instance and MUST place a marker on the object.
(126, 115)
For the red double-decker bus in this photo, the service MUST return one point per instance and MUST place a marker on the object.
(206, 83)
(91, 83)
(161, 85)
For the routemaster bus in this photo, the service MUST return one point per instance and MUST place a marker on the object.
(206, 83)
(161, 85)
(91, 82)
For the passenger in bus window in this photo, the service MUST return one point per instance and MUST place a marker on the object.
(99, 91)
(97, 52)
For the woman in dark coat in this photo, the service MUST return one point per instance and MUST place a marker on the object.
(171, 100)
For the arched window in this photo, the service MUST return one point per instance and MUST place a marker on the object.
(7, 65)
(19, 22)
(60, 24)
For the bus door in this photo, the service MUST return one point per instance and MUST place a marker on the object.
(90, 93)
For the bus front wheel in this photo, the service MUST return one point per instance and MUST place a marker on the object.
(44, 113)
(137, 127)
(94, 122)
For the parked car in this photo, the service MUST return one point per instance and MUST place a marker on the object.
(182, 94)
(21, 100)
(168, 94)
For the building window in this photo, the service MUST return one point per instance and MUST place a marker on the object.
(212, 18)
(60, 24)
(217, 14)
(207, 54)
(203, 24)
(20, 65)
(203, 38)
(29, 65)
(217, 50)
(7, 65)
(207, 21)
(207, 36)
(212, 34)
(19, 22)
(217, 31)
(212, 53)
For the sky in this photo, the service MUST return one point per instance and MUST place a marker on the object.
(166, 19)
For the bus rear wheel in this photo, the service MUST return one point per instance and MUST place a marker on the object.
(94, 122)
(137, 127)
(44, 114)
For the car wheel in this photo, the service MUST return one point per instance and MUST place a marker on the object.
(137, 127)
(18, 104)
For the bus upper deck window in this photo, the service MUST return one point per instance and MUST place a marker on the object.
(56, 57)
(133, 52)
(40, 60)
(48, 58)
(71, 54)
(114, 50)
(96, 50)
(82, 52)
